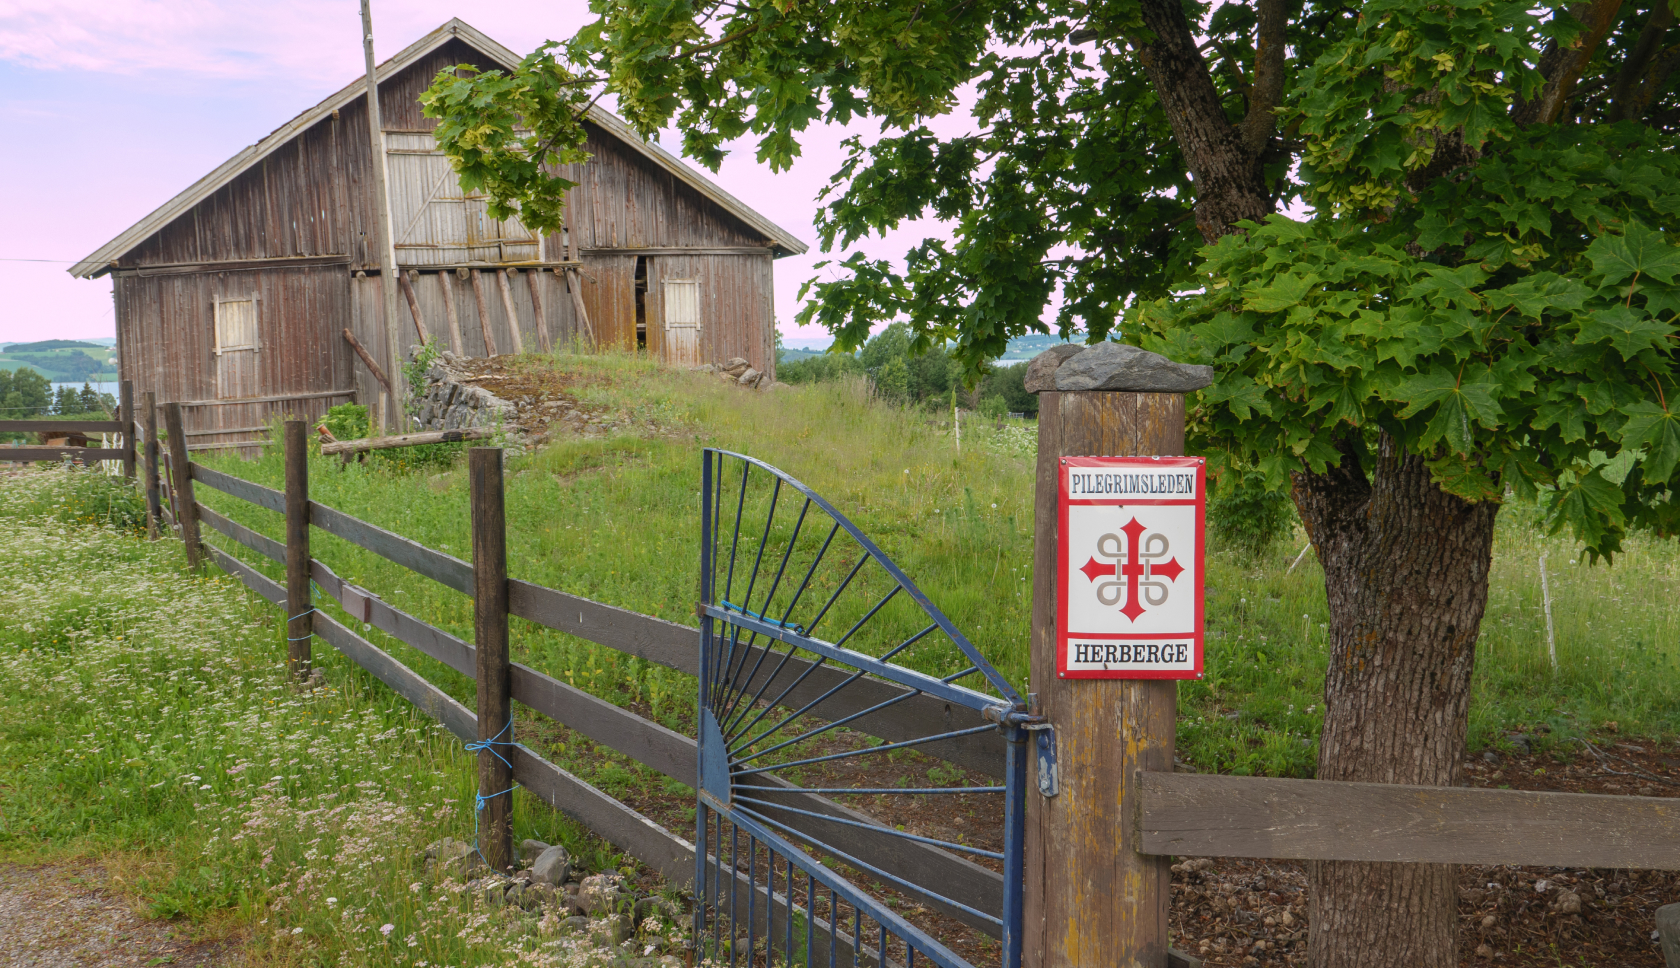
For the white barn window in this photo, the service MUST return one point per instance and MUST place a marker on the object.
(236, 324)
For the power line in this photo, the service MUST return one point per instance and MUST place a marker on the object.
(61, 262)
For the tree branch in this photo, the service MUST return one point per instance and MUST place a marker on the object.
(1267, 90)
(1562, 66)
(1626, 100)
(1230, 186)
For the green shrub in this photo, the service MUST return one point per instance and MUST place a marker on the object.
(347, 421)
(1244, 516)
(818, 369)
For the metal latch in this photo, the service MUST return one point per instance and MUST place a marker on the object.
(1044, 740)
(1049, 784)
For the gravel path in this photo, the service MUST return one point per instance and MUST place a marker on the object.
(48, 920)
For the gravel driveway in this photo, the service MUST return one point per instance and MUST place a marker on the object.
(49, 920)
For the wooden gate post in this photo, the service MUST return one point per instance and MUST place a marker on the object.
(127, 418)
(490, 633)
(180, 468)
(300, 624)
(154, 500)
(1092, 899)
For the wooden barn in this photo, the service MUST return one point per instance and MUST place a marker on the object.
(234, 297)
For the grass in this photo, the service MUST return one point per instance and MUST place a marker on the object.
(616, 519)
(146, 721)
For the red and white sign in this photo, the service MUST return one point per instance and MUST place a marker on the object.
(1129, 572)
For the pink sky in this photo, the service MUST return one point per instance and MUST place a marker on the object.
(113, 107)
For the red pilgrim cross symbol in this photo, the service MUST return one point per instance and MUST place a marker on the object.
(1142, 565)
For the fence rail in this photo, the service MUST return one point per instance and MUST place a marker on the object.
(123, 426)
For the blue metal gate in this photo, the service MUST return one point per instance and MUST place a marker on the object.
(789, 870)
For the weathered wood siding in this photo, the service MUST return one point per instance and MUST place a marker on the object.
(166, 324)
(736, 311)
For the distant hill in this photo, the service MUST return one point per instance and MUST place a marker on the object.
(54, 344)
(1028, 346)
(63, 360)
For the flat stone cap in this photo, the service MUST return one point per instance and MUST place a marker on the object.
(1113, 366)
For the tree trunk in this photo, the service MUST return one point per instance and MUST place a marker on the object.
(1406, 572)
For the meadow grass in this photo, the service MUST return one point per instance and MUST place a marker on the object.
(147, 723)
(615, 518)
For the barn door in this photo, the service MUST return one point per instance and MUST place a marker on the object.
(680, 305)
(434, 222)
(236, 347)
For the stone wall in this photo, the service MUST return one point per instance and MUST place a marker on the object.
(451, 403)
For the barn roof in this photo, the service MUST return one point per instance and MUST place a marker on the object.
(100, 261)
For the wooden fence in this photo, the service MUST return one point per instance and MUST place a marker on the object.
(655, 640)
(123, 426)
(1162, 813)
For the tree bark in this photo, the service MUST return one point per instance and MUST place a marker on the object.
(1406, 572)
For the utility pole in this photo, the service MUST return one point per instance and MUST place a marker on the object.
(394, 414)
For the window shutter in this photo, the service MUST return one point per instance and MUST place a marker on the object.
(682, 302)
(236, 324)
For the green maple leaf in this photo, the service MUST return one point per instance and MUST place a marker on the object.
(1241, 394)
(1628, 330)
(1638, 251)
(1457, 403)
(1223, 330)
(1590, 505)
(1661, 299)
(1455, 475)
(1568, 415)
(1538, 293)
(1656, 430)
(1285, 291)
(1523, 475)
(1457, 286)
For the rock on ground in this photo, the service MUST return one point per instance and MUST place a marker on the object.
(49, 920)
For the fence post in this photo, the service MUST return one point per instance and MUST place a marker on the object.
(1092, 898)
(490, 628)
(180, 471)
(154, 500)
(300, 624)
(127, 418)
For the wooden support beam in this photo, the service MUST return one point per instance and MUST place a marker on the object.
(483, 313)
(495, 676)
(543, 341)
(126, 417)
(154, 500)
(406, 280)
(186, 508)
(512, 311)
(574, 283)
(367, 360)
(300, 611)
(272, 398)
(405, 440)
(449, 311)
(1193, 814)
